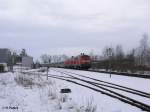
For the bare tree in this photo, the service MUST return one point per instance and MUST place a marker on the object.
(64, 57)
(143, 51)
(108, 53)
(119, 53)
(130, 61)
(55, 58)
(46, 59)
(119, 58)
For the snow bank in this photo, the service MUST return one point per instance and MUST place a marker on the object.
(31, 93)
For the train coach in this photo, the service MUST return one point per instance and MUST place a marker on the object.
(80, 62)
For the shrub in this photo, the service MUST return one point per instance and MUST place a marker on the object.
(24, 81)
(90, 106)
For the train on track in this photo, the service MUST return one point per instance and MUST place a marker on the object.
(81, 61)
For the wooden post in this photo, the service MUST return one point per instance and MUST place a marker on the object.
(110, 54)
(47, 72)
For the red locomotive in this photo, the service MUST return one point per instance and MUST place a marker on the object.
(80, 62)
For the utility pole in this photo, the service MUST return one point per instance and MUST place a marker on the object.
(47, 71)
(49, 62)
(110, 55)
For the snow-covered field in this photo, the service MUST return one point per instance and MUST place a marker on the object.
(31, 93)
(105, 103)
(41, 95)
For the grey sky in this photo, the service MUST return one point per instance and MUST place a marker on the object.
(72, 26)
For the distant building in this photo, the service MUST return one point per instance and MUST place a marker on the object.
(27, 61)
(3, 67)
(5, 56)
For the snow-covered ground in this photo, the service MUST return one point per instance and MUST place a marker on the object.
(44, 95)
(33, 94)
(133, 82)
(103, 102)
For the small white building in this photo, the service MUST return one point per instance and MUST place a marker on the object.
(27, 61)
(3, 67)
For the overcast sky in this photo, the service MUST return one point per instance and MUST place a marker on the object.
(72, 26)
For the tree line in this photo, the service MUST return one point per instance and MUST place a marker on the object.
(115, 59)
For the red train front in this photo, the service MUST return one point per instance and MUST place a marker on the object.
(80, 62)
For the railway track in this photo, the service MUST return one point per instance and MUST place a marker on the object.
(108, 84)
(118, 73)
(122, 74)
(106, 88)
(103, 87)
